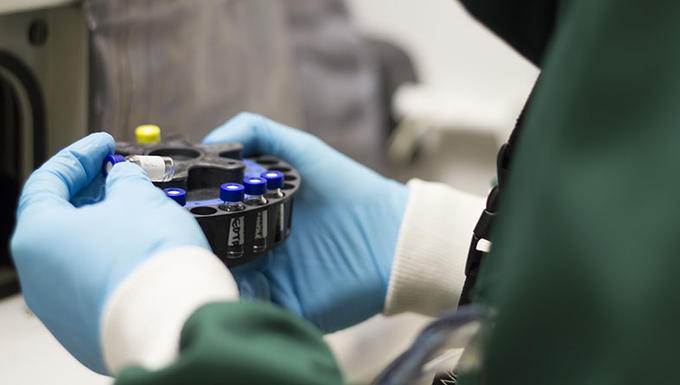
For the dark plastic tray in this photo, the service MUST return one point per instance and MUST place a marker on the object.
(201, 169)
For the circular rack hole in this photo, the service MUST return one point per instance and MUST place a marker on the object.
(211, 177)
(177, 153)
(267, 160)
(282, 169)
(203, 210)
(227, 154)
(289, 177)
(288, 186)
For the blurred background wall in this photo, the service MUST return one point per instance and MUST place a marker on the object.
(471, 86)
(450, 49)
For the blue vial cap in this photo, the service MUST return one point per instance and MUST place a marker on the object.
(110, 160)
(231, 192)
(274, 179)
(177, 194)
(255, 186)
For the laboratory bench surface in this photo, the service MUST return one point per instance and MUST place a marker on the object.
(30, 355)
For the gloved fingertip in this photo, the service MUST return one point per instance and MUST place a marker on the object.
(242, 128)
(260, 135)
(94, 140)
(229, 131)
(102, 135)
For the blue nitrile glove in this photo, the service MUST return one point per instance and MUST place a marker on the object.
(70, 259)
(335, 266)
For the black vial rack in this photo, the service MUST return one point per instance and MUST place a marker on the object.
(201, 169)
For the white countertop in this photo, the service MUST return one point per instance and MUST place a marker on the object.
(29, 354)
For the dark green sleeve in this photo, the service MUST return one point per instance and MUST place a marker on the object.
(586, 258)
(244, 343)
(526, 25)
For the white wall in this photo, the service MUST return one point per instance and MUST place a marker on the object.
(452, 50)
(474, 86)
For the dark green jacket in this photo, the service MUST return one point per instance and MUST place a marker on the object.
(244, 343)
(585, 257)
(586, 252)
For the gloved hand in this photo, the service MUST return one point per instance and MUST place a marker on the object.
(335, 266)
(70, 259)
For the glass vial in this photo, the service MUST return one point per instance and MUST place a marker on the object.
(157, 168)
(274, 186)
(255, 188)
(232, 196)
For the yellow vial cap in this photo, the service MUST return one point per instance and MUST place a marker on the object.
(148, 134)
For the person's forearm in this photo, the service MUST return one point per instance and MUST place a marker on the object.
(244, 343)
(142, 321)
(428, 271)
(183, 291)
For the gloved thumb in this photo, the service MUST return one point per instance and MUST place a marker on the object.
(260, 135)
(129, 181)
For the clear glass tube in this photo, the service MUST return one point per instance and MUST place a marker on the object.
(158, 168)
(277, 193)
(280, 222)
(235, 238)
(260, 243)
(280, 225)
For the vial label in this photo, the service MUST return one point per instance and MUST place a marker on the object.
(236, 232)
(154, 167)
(260, 243)
(235, 238)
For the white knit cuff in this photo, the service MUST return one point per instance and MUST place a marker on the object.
(143, 319)
(428, 271)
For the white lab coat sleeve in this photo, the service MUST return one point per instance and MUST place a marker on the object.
(142, 320)
(428, 271)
